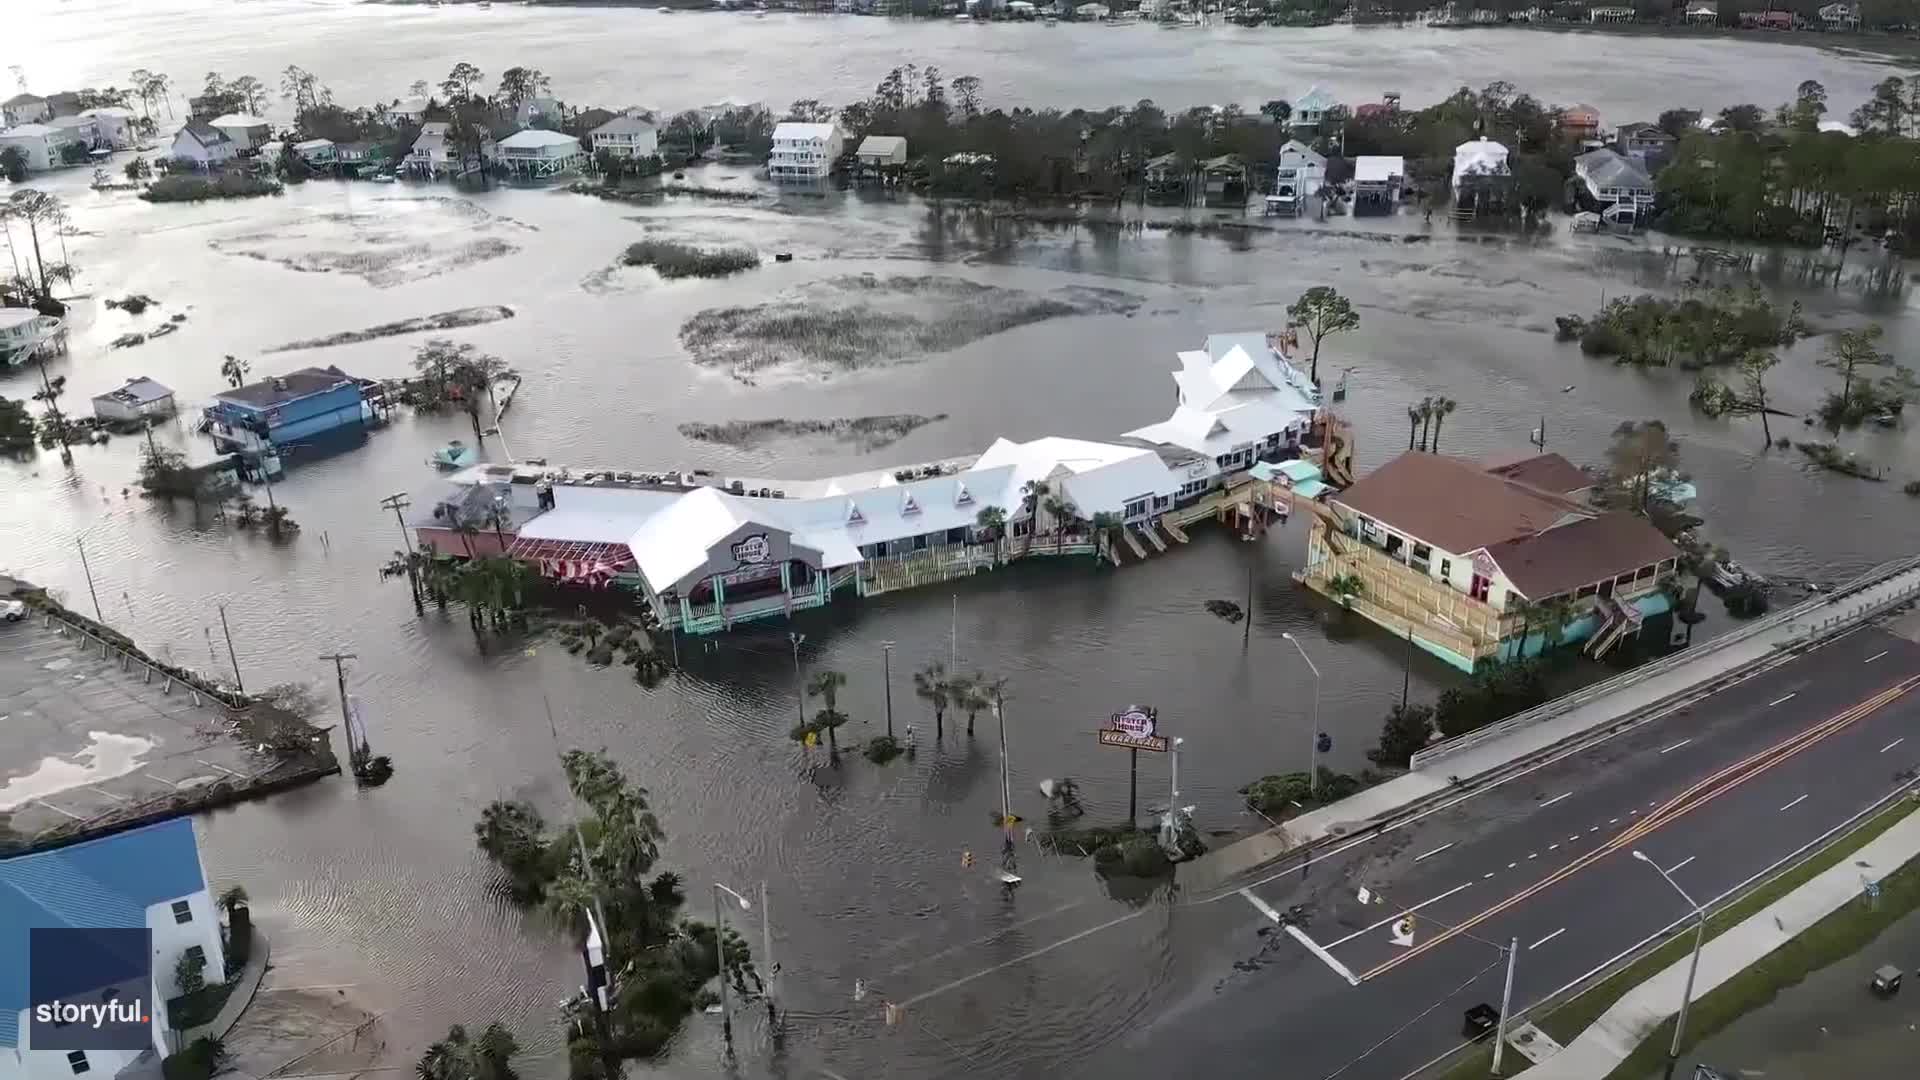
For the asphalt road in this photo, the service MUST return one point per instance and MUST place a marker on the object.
(1544, 859)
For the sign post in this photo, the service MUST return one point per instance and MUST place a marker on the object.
(1133, 728)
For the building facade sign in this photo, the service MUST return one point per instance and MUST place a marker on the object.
(752, 550)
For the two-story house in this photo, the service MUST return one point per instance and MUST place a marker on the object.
(1299, 176)
(148, 878)
(1467, 560)
(277, 412)
(42, 144)
(1311, 110)
(202, 144)
(804, 152)
(1615, 185)
(626, 136)
(1648, 144)
(24, 108)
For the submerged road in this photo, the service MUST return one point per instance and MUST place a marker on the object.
(1716, 793)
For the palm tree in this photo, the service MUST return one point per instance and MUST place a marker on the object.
(1031, 493)
(231, 897)
(1059, 511)
(971, 694)
(992, 520)
(234, 370)
(1554, 614)
(1104, 526)
(1442, 408)
(932, 686)
(1413, 424)
(1345, 587)
(1519, 607)
(825, 684)
(1426, 420)
(458, 1058)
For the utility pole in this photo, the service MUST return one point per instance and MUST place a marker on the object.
(886, 677)
(1406, 669)
(1246, 632)
(357, 749)
(720, 955)
(953, 639)
(609, 1060)
(230, 656)
(1007, 857)
(1506, 1005)
(766, 952)
(397, 502)
(88, 570)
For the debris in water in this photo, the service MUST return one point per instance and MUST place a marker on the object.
(1226, 609)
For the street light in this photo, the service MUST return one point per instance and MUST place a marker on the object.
(1693, 966)
(799, 687)
(720, 956)
(1313, 735)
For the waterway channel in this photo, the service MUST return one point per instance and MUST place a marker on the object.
(384, 890)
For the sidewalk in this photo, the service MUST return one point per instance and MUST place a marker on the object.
(1608, 1041)
(1636, 695)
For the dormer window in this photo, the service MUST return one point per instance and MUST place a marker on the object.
(962, 497)
(854, 516)
(908, 505)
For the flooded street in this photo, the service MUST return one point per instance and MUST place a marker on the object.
(383, 889)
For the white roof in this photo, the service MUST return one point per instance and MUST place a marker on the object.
(313, 144)
(625, 125)
(27, 131)
(70, 121)
(140, 391)
(1840, 126)
(674, 542)
(885, 145)
(1215, 432)
(11, 317)
(793, 129)
(1378, 169)
(1096, 477)
(1300, 149)
(536, 139)
(1481, 155)
(597, 515)
(109, 110)
(237, 120)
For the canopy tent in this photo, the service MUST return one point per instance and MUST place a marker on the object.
(572, 562)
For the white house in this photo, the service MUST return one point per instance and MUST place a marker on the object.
(1239, 399)
(804, 152)
(203, 144)
(1300, 175)
(408, 110)
(537, 153)
(1377, 179)
(1613, 180)
(81, 129)
(434, 155)
(538, 110)
(139, 399)
(147, 878)
(626, 136)
(1311, 109)
(882, 151)
(113, 126)
(22, 332)
(1840, 16)
(315, 151)
(247, 132)
(1477, 163)
(39, 142)
(24, 108)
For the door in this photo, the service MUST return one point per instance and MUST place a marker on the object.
(1479, 587)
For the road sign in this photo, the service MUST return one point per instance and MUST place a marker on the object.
(1365, 895)
(1157, 743)
(1403, 931)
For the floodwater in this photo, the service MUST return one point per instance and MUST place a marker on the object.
(384, 890)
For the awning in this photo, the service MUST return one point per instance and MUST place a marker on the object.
(571, 562)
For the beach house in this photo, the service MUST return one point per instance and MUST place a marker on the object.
(1614, 184)
(537, 153)
(804, 153)
(138, 400)
(24, 108)
(113, 126)
(626, 136)
(1473, 562)
(148, 879)
(248, 132)
(202, 144)
(40, 143)
(285, 409)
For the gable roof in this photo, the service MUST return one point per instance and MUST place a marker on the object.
(1548, 472)
(1609, 169)
(22, 99)
(281, 389)
(537, 139)
(28, 131)
(1378, 168)
(625, 124)
(1580, 553)
(1455, 505)
(239, 120)
(794, 129)
(1641, 129)
(1314, 98)
(140, 391)
(203, 133)
(109, 883)
(882, 145)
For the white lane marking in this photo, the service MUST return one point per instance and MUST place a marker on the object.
(1546, 939)
(1260, 905)
(1778, 700)
(1574, 839)
(1674, 747)
(1486, 875)
(1556, 799)
(1594, 828)
(1795, 803)
(1893, 744)
(1396, 918)
(1613, 821)
(1533, 854)
(1874, 657)
(1511, 865)
(1435, 851)
(1326, 957)
(1681, 863)
(1553, 847)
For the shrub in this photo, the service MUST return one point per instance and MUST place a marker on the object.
(1407, 729)
(883, 749)
(185, 187)
(190, 972)
(196, 1062)
(672, 260)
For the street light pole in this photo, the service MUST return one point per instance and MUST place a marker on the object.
(1693, 965)
(88, 570)
(720, 957)
(886, 676)
(766, 951)
(1313, 736)
(799, 687)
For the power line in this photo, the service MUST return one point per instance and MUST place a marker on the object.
(1395, 1033)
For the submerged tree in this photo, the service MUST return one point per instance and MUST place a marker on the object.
(456, 1057)
(1642, 454)
(932, 685)
(1322, 312)
(825, 684)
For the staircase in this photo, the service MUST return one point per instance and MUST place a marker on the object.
(1134, 543)
(1153, 537)
(1173, 529)
(1617, 620)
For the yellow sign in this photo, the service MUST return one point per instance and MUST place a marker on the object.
(813, 738)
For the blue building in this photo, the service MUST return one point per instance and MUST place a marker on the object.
(286, 409)
(147, 878)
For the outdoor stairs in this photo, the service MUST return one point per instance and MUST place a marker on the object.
(1173, 529)
(1153, 537)
(1617, 621)
(1134, 543)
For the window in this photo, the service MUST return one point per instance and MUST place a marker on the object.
(920, 543)
(1446, 569)
(1161, 502)
(1422, 553)
(197, 953)
(77, 1061)
(957, 536)
(1395, 544)
(1585, 591)
(182, 912)
(1135, 508)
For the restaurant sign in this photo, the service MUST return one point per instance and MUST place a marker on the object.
(1133, 728)
(752, 550)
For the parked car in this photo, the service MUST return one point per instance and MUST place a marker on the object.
(13, 610)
